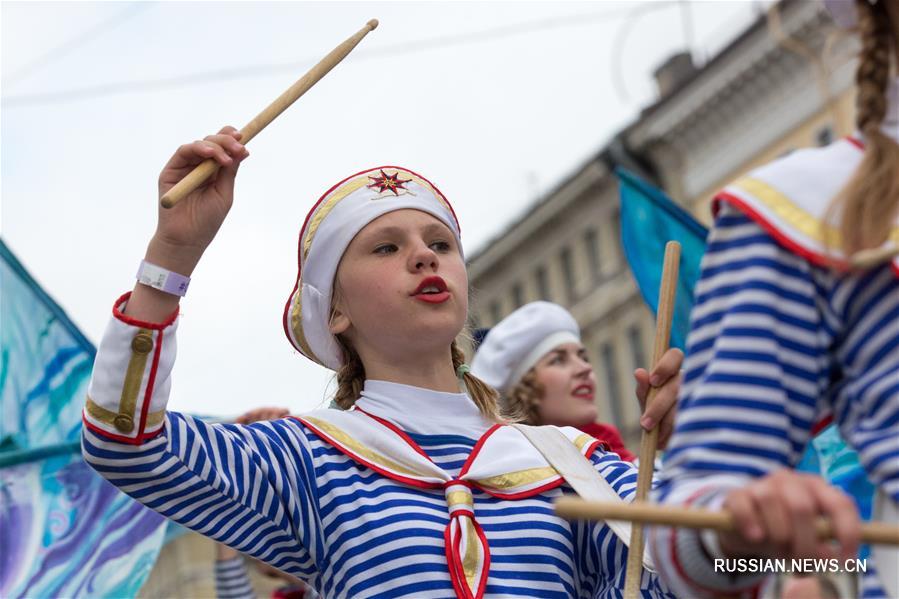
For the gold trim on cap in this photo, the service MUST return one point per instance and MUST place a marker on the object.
(296, 325)
(325, 208)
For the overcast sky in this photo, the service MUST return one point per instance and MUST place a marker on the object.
(495, 102)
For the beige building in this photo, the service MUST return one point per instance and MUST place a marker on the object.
(784, 83)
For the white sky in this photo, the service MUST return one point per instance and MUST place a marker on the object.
(495, 102)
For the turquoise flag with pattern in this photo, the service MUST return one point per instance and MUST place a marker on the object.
(649, 220)
(64, 530)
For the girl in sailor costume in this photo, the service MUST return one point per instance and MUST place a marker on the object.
(417, 491)
(534, 357)
(788, 333)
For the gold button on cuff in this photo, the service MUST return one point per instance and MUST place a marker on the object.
(142, 343)
(124, 423)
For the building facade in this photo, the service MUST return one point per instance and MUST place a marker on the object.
(784, 83)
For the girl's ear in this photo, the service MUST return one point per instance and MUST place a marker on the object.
(339, 322)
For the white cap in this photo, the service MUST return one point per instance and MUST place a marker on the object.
(330, 226)
(517, 342)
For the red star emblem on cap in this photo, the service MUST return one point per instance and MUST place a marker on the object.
(388, 183)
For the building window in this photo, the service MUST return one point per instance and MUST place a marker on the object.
(824, 136)
(591, 241)
(542, 284)
(568, 274)
(636, 342)
(616, 243)
(613, 389)
(496, 312)
(517, 295)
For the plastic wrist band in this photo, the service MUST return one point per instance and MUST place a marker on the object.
(159, 278)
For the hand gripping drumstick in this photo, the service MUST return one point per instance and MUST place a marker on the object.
(873, 533)
(205, 169)
(649, 439)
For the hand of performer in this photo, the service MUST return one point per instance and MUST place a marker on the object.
(184, 231)
(260, 414)
(775, 517)
(666, 377)
(188, 227)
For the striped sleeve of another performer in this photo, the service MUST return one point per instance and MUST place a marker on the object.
(754, 373)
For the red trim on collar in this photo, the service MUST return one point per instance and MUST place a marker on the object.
(448, 549)
(793, 246)
(855, 142)
(397, 477)
(156, 326)
(558, 482)
(477, 449)
(399, 432)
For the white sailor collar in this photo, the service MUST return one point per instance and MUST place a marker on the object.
(423, 411)
(503, 463)
(789, 197)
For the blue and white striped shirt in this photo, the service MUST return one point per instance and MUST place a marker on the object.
(278, 492)
(776, 345)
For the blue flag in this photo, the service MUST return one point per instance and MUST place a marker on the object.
(649, 220)
(64, 530)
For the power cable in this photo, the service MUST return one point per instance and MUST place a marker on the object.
(266, 69)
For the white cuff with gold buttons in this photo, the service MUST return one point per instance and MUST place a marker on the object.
(131, 380)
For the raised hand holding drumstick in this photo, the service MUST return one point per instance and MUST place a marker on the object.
(185, 231)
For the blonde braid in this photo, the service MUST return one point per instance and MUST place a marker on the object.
(350, 377)
(483, 395)
(869, 201)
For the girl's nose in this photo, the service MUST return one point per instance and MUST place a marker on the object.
(423, 257)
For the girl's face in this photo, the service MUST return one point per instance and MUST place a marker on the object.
(569, 386)
(401, 288)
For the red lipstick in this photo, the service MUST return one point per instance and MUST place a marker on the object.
(431, 290)
(584, 392)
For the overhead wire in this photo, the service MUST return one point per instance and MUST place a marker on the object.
(267, 69)
(81, 39)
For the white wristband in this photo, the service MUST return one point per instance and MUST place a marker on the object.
(159, 278)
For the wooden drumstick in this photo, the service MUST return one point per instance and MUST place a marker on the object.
(649, 439)
(874, 533)
(205, 169)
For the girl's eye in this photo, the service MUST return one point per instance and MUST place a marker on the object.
(387, 248)
(556, 359)
(440, 246)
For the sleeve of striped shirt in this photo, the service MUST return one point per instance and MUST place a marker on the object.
(245, 486)
(754, 373)
(232, 580)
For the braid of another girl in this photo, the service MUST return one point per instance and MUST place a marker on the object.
(869, 202)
